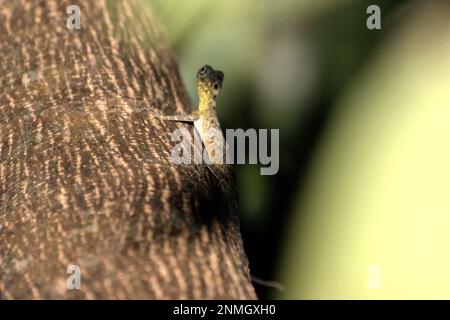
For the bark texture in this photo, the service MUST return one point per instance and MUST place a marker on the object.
(85, 170)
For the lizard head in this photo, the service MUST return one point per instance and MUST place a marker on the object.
(209, 83)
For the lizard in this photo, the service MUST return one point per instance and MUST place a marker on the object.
(205, 120)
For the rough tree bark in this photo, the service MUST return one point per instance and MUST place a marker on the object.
(85, 170)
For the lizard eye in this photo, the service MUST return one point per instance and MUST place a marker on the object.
(216, 86)
(204, 69)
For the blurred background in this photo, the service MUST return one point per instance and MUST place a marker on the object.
(360, 207)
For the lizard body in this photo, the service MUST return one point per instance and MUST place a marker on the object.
(205, 120)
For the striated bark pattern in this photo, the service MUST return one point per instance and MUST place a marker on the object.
(85, 170)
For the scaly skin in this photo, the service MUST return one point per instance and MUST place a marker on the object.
(209, 83)
(206, 122)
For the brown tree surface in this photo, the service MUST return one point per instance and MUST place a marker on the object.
(85, 170)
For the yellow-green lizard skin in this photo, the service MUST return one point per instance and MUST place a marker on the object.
(209, 83)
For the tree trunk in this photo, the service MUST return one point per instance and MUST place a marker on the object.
(85, 172)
